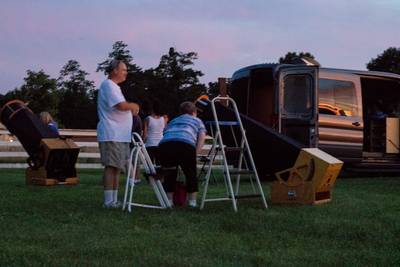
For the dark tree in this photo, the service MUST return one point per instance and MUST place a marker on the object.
(175, 81)
(9, 96)
(77, 107)
(120, 52)
(388, 61)
(39, 91)
(290, 57)
(213, 89)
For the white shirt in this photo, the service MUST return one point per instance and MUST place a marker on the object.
(154, 130)
(114, 125)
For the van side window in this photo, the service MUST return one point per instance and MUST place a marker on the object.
(297, 98)
(337, 98)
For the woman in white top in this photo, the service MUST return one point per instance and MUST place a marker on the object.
(154, 125)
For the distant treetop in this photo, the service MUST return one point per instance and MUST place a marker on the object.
(388, 61)
(291, 57)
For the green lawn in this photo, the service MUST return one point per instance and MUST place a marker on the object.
(66, 226)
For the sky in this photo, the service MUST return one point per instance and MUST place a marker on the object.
(226, 34)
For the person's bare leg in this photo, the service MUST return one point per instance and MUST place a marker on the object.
(192, 196)
(192, 199)
(136, 176)
(116, 179)
(115, 185)
(170, 196)
(108, 183)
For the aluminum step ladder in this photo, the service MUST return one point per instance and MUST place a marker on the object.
(139, 156)
(245, 163)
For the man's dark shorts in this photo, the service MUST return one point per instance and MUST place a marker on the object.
(114, 154)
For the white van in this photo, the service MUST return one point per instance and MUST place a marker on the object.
(353, 115)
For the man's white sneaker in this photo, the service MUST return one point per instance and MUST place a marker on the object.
(117, 205)
(192, 204)
(136, 181)
(114, 205)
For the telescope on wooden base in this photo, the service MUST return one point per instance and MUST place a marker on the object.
(51, 159)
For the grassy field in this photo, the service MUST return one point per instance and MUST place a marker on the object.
(66, 226)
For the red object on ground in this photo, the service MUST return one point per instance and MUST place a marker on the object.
(180, 195)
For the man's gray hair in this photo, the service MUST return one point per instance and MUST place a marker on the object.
(114, 65)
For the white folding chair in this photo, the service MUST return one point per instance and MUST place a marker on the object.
(139, 156)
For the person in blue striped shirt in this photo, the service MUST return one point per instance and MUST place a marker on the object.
(183, 139)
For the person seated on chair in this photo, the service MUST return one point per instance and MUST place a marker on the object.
(46, 118)
(183, 139)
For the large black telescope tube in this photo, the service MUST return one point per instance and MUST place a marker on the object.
(27, 127)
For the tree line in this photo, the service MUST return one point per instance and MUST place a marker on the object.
(72, 99)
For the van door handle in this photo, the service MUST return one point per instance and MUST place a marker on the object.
(356, 123)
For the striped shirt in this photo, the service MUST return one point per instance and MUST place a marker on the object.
(185, 128)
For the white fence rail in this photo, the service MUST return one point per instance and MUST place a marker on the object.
(13, 155)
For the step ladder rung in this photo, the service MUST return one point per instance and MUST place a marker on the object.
(217, 199)
(235, 172)
(232, 149)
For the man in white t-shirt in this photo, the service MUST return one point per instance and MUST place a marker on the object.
(114, 130)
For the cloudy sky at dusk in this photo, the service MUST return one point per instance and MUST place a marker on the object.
(226, 34)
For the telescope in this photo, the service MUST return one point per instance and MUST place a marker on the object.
(51, 159)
